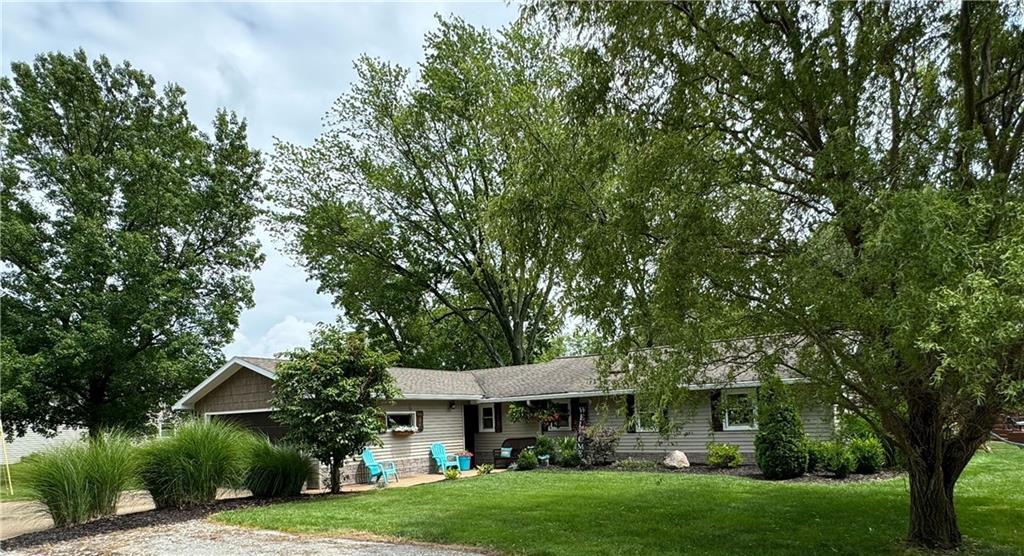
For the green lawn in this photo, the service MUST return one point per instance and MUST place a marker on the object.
(545, 512)
(18, 479)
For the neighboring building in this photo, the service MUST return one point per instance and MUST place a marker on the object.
(468, 410)
(34, 442)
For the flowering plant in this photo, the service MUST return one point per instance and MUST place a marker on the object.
(465, 453)
(403, 428)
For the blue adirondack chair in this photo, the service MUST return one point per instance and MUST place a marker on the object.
(379, 470)
(441, 457)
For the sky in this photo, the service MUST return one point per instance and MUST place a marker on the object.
(280, 65)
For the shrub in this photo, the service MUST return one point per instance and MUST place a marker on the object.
(526, 461)
(868, 455)
(186, 469)
(484, 469)
(837, 459)
(779, 444)
(596, 444)
(815, 455)
(276, 470)
(723, 455)
(568, 453)
(631, 464)
(452, 473)
(80, 481)
(547, 446)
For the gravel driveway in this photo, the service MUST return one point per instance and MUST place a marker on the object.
(198, 537)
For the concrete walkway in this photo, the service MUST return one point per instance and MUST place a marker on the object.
(20, 517)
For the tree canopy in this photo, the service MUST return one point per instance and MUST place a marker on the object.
(842, 182)
(409, 209)
(330, 396)
(126, 243)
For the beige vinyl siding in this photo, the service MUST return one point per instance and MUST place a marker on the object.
(487, 442)
(242, 391)
(696, 430)
(440, 424)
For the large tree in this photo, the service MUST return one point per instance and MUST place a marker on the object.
(402, 208)
(126, 243)
(846, 177)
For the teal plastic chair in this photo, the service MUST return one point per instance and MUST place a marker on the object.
(441, 458)
(379, 470)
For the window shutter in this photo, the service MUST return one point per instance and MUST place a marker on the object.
(630, 413)
(716, 414)
(419, 421)
(574, 414)
(497, 417)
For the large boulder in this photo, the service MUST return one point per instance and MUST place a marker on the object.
(675, 460)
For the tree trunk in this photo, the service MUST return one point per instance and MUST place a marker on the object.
(932, 517)
(335, 475)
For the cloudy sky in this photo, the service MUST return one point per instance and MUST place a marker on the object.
(280, 65)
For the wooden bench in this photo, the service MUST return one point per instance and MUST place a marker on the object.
(517, 445)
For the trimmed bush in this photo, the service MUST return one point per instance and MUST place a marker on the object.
(186, 469)
(568, 452)
(868, 455)
(527, 460)
(723, 455)
(276, 470)
(837, 459)
(596, 444)
(77, 482)
(779, 445)
(547, 446)
(815, 455)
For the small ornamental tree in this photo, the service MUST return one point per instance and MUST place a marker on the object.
(779, 445)
(330, 396)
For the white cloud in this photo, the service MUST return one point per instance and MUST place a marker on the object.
(291, 332)
(278, 65)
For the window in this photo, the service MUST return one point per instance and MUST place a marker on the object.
(487, 417)
(404, 419)
(738, 410)
(562, 420)
(645, 419)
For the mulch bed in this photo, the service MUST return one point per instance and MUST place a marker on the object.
(114, 523)
(747, 471)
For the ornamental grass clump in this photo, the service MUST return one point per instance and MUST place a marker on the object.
(185, 470)
(276, 470)
(80, 481)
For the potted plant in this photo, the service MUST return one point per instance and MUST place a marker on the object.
(403, 430)
(465, 461)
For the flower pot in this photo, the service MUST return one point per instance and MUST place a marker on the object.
(465, 462)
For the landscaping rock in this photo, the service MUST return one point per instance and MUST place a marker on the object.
(675, 460)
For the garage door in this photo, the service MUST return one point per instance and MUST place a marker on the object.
(259, 422)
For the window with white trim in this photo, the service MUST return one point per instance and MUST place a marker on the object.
(644, 417)
(563, 416)
(738, 410)
(486, 417)
(403, 419)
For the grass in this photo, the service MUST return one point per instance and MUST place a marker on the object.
(19, 478)
(605, 512)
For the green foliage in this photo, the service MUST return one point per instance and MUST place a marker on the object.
(413, 208)
(127, 243)
(276, 470)
(484, 469)
(720, 454)
(568, 452)
(546, 446)
(780, 447)
(816, 452)
(330, 396)
(596, 444)
(452, 473)
(527, 460)
(79, 481)
(837, 459)
(868, 455)
(632, 464)
(186, 469)
(773, 181)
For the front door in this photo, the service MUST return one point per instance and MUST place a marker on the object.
(470, 421)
